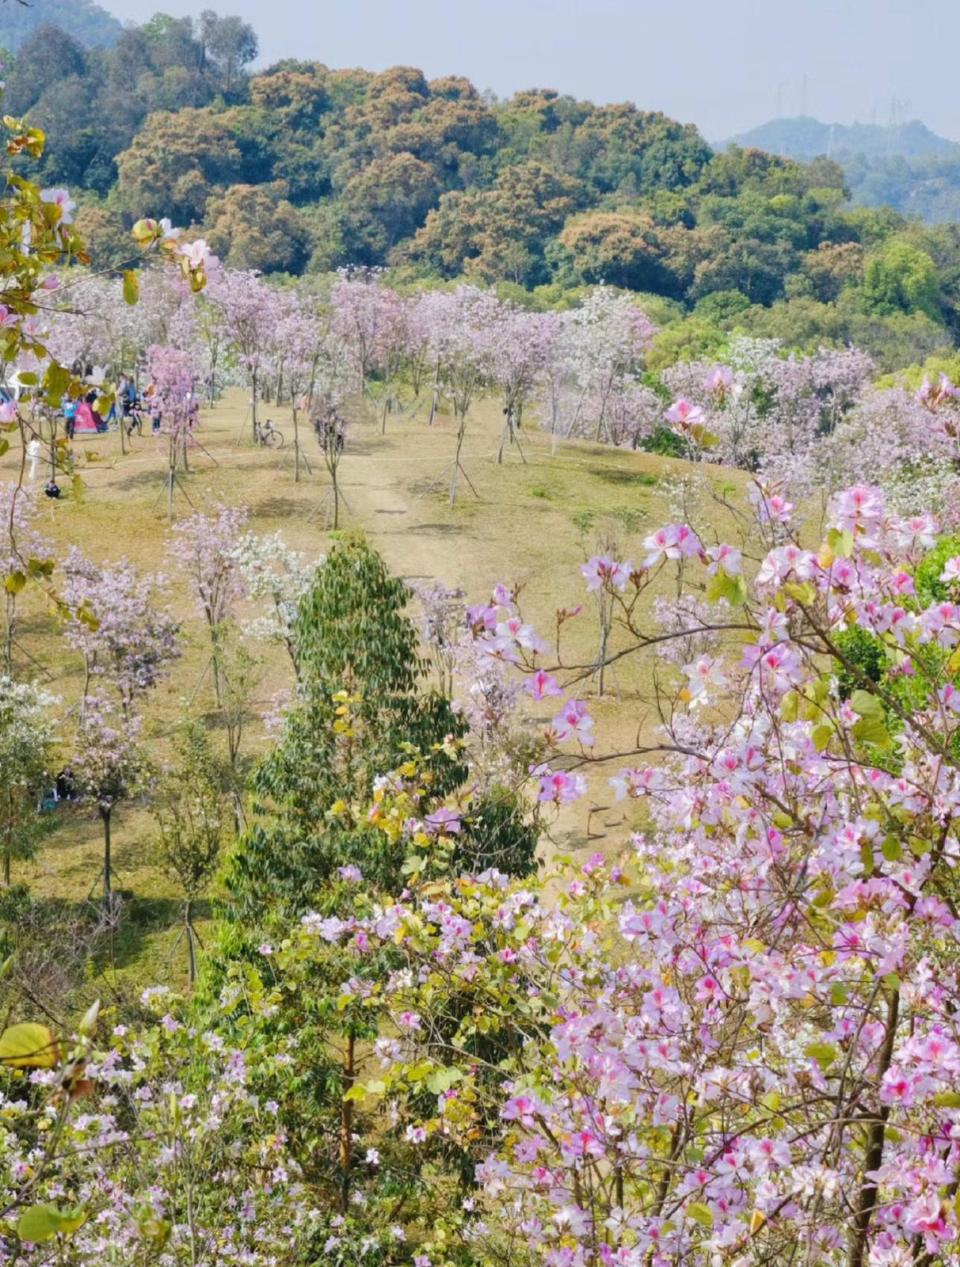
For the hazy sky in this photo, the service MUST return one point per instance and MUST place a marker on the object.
(722, 64)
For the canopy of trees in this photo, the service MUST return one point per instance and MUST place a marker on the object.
(303, 168)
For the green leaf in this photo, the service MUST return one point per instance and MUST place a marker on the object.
(892, 849)
(841, 543)
(821, 736)
(39, 1223)
(872, 726)
(56, 381)
(701, 1214)
(131, 286)
(443, 1079)
(803, 591)
(14, 582)
(40, 567)
(823, 1053)
(947, 1100)
(891, 982)
(28, 1046)
(733, 589)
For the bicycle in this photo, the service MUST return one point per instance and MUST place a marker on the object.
(267, 435)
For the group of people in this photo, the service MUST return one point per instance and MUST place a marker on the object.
(97, 411)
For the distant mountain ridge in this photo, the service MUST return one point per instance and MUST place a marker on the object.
(906, 166)
(87, 22)
(805, 138)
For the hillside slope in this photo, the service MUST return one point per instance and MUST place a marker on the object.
(83, 20)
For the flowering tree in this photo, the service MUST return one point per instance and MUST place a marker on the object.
(300, 346)
(250, 313)
(460, 324)
(205, 547)
(27, 726)
(765, 411)
(107, 767)
(175, 380)
(606, 337)
(522, 346)
(371, 321)
(144, 1146)
(277, 577)
(123, 637)
(764, 1061)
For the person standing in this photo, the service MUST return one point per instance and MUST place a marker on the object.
(33, 457)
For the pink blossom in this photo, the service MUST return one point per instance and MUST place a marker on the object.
(601, 571)
(60, 197)
(573, 722)
(675, 541)
(560, 787)
(541, 684)
(684, 414)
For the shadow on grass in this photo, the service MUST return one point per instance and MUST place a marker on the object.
(278, 508)
(436, 530)
(622, 478)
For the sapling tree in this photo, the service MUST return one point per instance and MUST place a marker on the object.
(125, 640)
(461, 323)
(191, 806)
(176, 399)
(522, 346)
(276, 577)
(330, 428)
(24, 552)
(27, 733)
(108, 768)
(205, 547)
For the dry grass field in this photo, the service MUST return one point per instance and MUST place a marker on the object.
(532, 522)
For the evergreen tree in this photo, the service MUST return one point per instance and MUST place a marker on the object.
(361, 711)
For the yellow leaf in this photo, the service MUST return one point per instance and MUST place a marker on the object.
(28, 1046)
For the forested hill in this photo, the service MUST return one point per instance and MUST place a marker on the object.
(304, 168)
(92, 26)
(904, 166)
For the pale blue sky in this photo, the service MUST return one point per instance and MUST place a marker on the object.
(722, 64)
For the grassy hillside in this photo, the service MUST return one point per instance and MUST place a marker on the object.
(533, 523)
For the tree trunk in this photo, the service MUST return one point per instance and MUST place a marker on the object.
(191, 948)
(346, 1125)
(107, 856)
(461, 431)
(296, 443)
(11, 606)
(7, 850)
(436, 396)
(253, 404)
